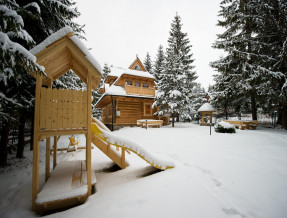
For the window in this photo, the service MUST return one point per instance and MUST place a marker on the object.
(145, 85)
(137, 67)
(137, 84)
(129, 83)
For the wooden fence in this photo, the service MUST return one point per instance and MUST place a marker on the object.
(63, 109)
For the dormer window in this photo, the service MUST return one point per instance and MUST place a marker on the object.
(129, 83)
(137, 67)
(137, 84)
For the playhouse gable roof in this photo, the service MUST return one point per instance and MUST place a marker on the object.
(63, 51)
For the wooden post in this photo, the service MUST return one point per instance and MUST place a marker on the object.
(48, 144)
(35, 179)
(123, 158)
(210, 116)
(202, 118)
(89, 133)
(112, 113)
(55, 152)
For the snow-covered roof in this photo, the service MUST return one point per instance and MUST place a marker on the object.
(120, 91)
(206, 107)
(60, 34)
(118, 72)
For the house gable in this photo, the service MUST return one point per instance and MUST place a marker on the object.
(137, 65)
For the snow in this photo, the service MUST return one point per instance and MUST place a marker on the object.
(88, 55)
(51, 39)
(61, 178)
(118, 72)
(215, 176)
(138, 149)
(11, 13)
(206, 107)
(58, 35)
(225, 125)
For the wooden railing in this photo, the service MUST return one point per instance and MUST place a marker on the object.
(62, 109)
(140, 90)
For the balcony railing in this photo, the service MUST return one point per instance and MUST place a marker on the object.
(140, 91)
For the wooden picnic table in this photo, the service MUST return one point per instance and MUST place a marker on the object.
(243, 124)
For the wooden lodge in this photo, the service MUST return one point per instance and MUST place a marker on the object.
(128, 95)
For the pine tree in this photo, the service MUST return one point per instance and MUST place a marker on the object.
(148, 64)
(174, 89)
(159, 64)
(97, 112)
(239, 77)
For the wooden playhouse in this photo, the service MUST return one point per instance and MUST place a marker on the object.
(63, 112)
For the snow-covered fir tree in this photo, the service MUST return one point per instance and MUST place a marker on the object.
(147, 63)
(250, 74)
(97, 112)
(174, 89)
(20, 20)
(158, 64)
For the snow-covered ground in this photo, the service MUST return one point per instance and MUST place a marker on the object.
(219, 175)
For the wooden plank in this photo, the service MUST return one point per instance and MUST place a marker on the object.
(54, 107)
(69, 109)
(47, 172)
(49, 109)
(43, 106)
(88, 135)
(35, 177)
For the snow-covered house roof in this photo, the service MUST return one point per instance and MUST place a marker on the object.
(206, 107)
(63, 51)
(118, 72)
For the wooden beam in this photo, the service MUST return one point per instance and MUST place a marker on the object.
(35, 178)
(46, 133)
(48, 144)
(89, 133)
(55, 152)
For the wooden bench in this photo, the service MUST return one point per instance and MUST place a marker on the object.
(149, 123)
(243, 124)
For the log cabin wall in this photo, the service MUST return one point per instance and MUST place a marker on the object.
(127, 111)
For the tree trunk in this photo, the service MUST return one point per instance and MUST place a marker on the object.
(172, 116)
(4, 144)
(32, 132)
(21, 135)
(253, 107)
(282, 116)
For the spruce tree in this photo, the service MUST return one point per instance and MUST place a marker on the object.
(147, 63)
(97, 112)
(159, 64)
(174, 89)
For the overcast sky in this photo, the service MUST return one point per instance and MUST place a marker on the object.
(118, 30)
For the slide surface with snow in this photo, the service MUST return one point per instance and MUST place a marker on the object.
(103, 133)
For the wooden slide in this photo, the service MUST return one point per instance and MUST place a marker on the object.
(103, 138)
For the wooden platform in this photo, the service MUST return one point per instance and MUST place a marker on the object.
(243, 124)
(149, 123)
(66, 187)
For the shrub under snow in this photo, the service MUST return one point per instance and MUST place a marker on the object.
(224, 127)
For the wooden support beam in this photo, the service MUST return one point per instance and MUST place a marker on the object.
(55, 152)
(123, 158)
(48, 144)
(35, 178)
(89, 133)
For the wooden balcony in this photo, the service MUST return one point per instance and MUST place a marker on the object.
(133, 90)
